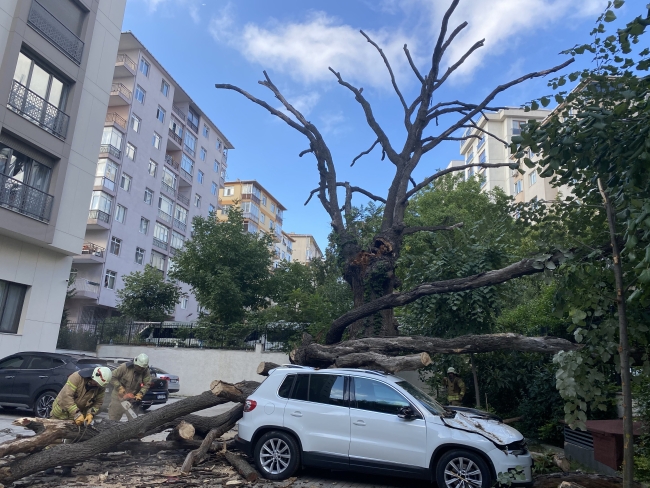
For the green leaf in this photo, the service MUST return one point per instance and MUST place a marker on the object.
(610, 16)
(545, 101)
(534, 105)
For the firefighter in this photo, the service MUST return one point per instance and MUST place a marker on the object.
(80, 400)
(130, 382)
(455, 388)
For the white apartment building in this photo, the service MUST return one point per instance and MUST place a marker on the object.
(283, 249)
(161, 162)
(55, 78)
(305, 248)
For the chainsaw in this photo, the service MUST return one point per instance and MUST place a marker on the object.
(128, 406)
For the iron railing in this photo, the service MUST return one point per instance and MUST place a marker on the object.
(188, 177)
(250, 216)
(180, 225)
(278, 219)
(54, 31)
(172, 162)
(121, 89)
(99, 215)
(182, 198)
(105, 182)
(158, 243)
(110, 149)
(86, 285)
(167, 188)
(179, 112)
(189, 150)
(250, 196)
(164, 216)
(94, 249)
(38, 110)
(116, 119)
(175, 137)
(27, 200)
(127, 61)
(193, 126)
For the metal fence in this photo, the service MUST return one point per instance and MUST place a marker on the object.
(86, 336)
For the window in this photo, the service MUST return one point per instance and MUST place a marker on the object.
(140, 94)
(184, 301)
(223, 173)
(285, 387)
(112, 137)
(519, 187)
(144, 226)
(203, 154)
(130, 151)
(155, 141)
(251, 189)
(12, 296)
(144, 67)
(533, 177)
(225, 209)
(158, 260)
(161, 232)
(106, 174)
(301, 387)
(482, 158)
(125, 182)
(262, 218)
(136, 122)
(218, 144)
(116, 245)
(177, 240)
(190, 143)
(264, 200)
(176, 128)
(187, 164)
(101, 201)
(326, 388)
(14, 362)
(483, 180)
(160, 114)
(193, 119)
(228, 191)
(180, 214)
(517, 125)
(120, 213)
(250, 208)
(169, 178)
(214, 189)
(148, 196)
(164, 88)
(41, 82)
(272, 208)
(206, 130)
(197, 200)
(470, 172)
(215, 167)
(378, 397)
(210, 208)
(109, 279)
(166, 205)
(16, 165)
(139, 255)
(469, 158)
(481, 141)
(199, 176)
(153, 167)
(250, 227)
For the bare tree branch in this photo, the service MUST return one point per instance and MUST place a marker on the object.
(453, 35)
(458, 63)
(365, 152)
(413, 67)
(473, 125)
(430, 228)
(306, 151)
(353, 189)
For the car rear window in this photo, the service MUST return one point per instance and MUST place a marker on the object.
(301, 388)
(12, 363)
(285, 387)
(40, 362)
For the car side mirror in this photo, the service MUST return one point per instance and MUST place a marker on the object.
(406, 413)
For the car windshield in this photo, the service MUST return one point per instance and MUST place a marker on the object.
(158, 370)
(427, 402)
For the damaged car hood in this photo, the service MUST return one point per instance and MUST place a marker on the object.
(493, 430)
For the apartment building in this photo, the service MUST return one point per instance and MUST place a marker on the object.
(161, 162)
(55, 79)
(484, 149)
(305, 248)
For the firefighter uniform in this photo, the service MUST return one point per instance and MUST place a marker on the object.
(127, 378)
(77, 396)
(455, 390)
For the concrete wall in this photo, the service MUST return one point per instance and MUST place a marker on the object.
(197, 368)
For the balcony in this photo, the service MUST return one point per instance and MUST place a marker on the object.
(189, 150)
(162, 215)
(116, 119)
(159, 243)
(193, 126)
(38, 110)
(120, 95)
(180, 225)
(24, 199)
(177, 139)
(278, 219)
(172, 162)
(167, 189)
(47, 25)
(186, 176)
(124, 66)
(278, 233)
(102, 182)
(183, 199)
(86, 289)
(179, 112)
(90, 253)
(250, 196)
(109, 149)
(250, 216)
(98, 220)
(289, 249)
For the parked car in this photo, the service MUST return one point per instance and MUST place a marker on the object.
(350, 419)
(157, 394)
(33, 379)
(173, 381)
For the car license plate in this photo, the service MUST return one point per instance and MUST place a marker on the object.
(174, 381)
(161, 397)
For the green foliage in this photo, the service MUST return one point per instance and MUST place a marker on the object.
(147, 296)
(642, 448)
(514, 475)
(228, 268)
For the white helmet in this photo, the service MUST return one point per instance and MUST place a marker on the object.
(102, 375)
(142, 360)
(451, 370)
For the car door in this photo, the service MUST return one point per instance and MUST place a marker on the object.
(378, 437)
(31, 377)
(8, 370)
(318, 412)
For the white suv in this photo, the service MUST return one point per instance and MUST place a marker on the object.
(350, 419)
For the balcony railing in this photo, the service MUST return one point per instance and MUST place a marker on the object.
(116, 119)
(193, 126)
(158, 243)
(167, 188)
(164, 216)
(187, 176)
(93, 249)
(278, 219)
(289, 250)
(110, 149)
(190, 151)
(38, 110)
(105, 182)
(250, 216)
(172, 162)
(250, 196)
(127, 61)
(180, 225)
(121, 89)
(27, 200)
(179, 112)
(82, 284)
(183, 199)
(54, 31)
(175, 137)
(99, 215)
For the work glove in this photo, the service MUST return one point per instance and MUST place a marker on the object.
(138, 397)
(129, 396)
(79, 418)
(121, 390)
(89, 419)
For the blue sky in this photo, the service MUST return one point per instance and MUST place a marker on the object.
(203, 42)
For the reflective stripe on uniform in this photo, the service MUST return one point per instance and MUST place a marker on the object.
(74, 388)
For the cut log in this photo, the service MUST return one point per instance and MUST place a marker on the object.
(228, 391)
(184, 431)
(241, 465)
(197, 455)
(512, 420)
(203, 425)
(372, 360)
(264, 368)
(67, 454)
(321, 356)
(139, 447)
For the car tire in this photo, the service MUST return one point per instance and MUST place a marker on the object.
(277, 455)
(43, 404)
(464, 464)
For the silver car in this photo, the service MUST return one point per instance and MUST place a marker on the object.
(173, 381)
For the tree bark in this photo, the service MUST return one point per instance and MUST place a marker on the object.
(477, 392)
(624, 347)
(323, 356)
(202, 425)
(184, 431)
(73, 453)
(197, 455)
(372, 360)
(241, 465)
(264, 368)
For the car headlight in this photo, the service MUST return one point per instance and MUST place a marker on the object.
(518, 448)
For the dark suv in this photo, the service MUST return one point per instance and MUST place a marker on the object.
(33, 379)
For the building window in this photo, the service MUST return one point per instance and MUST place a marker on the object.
(125, 182)
(109, 279)
(161, 232)
(180, 214)
(482, 158)
(218, 144)
(184, 301)
(112, 137)
(169, 178)
(135, 123)
(130, 151)
(144, 67)
(228, 191)
(264, 200)
(120, 213)
(116, 245)
(223, 173)
(160, 114)
(101, 201)
(12, 296)
(519, 187)
(481, 141)
(469, 158)
(139, 255)
(164, 88)
(41, 82)
(166, 205)
(153, 167)
(187, 164)
(262, 218)
(206, 130)
(148, 196)
(190, 143)
(197, 200)
(140, 94)
(517, 125)
(483, 180)
(203, 154)
(156, 140)
(215, 188)
(193, 119)
(20, 167)
(106, 174)
(533, 178)
(215, 167)
(210, 208)
(272, 208)
(144, 226)
(158, 260)
(199, 176)
(177, 240)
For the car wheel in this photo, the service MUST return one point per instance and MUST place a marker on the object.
(43, 404)
(277, 455)
(462, 469)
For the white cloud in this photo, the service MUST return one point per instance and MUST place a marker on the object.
(304, 103)
(221, 25)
